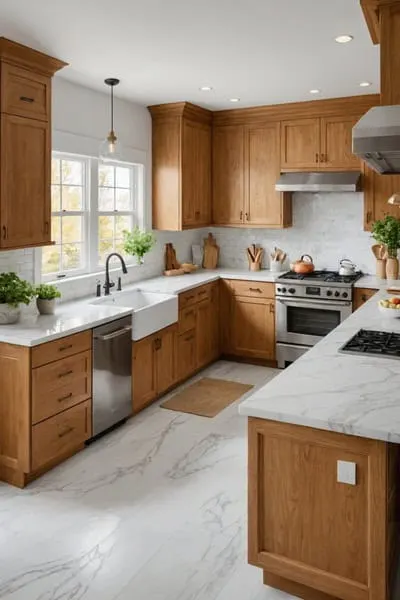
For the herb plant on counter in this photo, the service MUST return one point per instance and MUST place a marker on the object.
(138, 243)
(387, 231)
(46, 291)
(14, 290)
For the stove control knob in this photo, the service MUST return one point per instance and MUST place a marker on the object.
(292, 291)
(284, 290)
(337, 294)
(278, 289)
(345, 295)
(329, 293)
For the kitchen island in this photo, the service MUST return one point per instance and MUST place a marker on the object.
(324, 470)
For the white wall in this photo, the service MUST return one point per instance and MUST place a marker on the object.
(327, 226)
(80, 121)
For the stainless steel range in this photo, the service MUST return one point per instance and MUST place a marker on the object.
(308, 307)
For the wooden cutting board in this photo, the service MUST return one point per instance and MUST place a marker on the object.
(211, 252)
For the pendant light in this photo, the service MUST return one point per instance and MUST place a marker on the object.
(109, 149)
(395, 200)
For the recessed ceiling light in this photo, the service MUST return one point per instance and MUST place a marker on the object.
(343, 39)
(365, 84)
(234, 99)
(315, 91)
(206, 88)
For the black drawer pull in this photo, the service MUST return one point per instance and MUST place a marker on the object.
(65, 374)
(63, 348)
(67, 397)
(26, 99)
(66, 432)
(255, 290)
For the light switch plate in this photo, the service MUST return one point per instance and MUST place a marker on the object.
(346, 472)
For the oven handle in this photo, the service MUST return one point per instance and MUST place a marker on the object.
(313, 302)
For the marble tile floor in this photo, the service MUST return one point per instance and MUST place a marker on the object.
(155, 510)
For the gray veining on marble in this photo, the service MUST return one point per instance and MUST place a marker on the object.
(357, 395)
(154, 511)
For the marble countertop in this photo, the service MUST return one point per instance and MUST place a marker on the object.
(72, 317)
(357, 395)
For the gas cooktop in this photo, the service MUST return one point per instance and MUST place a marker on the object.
(373, 343)
(322, 276)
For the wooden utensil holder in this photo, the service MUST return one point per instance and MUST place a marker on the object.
(392, 268)
(381, 268)
(255, 266)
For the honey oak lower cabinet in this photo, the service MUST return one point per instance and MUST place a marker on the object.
(313, 536)
(153, 367)
(248, 319)
(45, 405)
(361, 295)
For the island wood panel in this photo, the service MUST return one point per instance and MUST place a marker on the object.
(307, 528)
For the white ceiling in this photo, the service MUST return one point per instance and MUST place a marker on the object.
(263, 51)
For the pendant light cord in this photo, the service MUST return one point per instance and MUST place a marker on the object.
(112, 108)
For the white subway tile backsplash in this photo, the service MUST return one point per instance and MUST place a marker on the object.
(329, 227)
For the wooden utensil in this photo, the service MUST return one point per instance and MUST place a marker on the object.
(255, 257)
(171, 261)
(211, 252)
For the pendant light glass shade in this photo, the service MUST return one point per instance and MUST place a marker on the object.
(110, 148)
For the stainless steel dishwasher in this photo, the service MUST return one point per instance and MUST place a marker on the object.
(112, 374)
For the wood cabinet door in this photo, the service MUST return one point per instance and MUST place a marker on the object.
(264, 206)
(253, 327)
(196, 174)
(300, 144)
(165, 359)
(215, 323)
(361, 296)
(144, 384)
(203, 333)
(377, 191)
(228, 175)
(25, 182)
(166, 174)
(225, 319)
(186, 354)
(336, 144)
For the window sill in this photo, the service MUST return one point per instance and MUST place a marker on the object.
(94, 276)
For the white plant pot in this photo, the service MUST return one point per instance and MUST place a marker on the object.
(9, 314)
(46, 307)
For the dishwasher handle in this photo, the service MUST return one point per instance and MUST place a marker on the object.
(114, 334)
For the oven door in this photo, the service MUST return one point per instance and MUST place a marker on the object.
(306, 322)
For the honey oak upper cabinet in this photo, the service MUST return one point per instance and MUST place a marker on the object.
(181, 166)
(228, 175)
(336, 143)
(300, 144)
(245, 169)
(377, 191)
(319, 144)
(25, 145)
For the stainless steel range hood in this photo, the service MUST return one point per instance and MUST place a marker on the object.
(376, 139)
(319, 182)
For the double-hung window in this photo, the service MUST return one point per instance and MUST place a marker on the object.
(69, 218)
(92, 204)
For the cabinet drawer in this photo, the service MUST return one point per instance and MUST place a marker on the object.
(24, 93)
(187, 298)
(254, 289)
(59, 374)
(66, 346)
(49, 402)
(60, 434)
(187, 319)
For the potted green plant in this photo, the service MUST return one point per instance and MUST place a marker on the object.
(46, 298)
(387, 231)
(13, 292)
(138, 243)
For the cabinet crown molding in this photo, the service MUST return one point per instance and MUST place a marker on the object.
(356, 105)
(180, 109)
(22, 56)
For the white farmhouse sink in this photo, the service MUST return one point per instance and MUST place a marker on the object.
(151, 311)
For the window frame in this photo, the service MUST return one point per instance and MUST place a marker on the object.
(84, 213)
(91, 213)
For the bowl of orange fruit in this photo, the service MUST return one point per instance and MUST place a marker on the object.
(390, 307)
